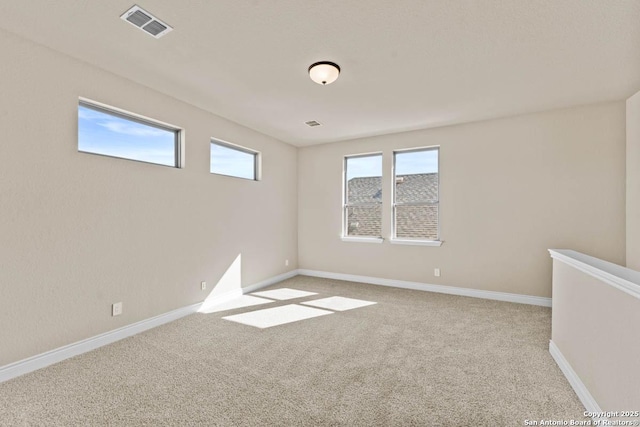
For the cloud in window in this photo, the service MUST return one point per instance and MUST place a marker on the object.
(117, 124)
(132, 129)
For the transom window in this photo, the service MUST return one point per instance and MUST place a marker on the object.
(127, 136)
(416, 194)
(363, 196)
(233, 160)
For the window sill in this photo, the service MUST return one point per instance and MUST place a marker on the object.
(416, 242)
(362, 239)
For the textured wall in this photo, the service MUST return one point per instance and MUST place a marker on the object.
(633, 182)
(510, 189)
(79, 232)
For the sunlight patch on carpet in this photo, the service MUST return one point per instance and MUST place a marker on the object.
(240, 302)
(283, 294)
(339, 303)
(269, 317)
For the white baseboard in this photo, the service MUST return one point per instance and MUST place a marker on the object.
(43, 360)
(500, 296)
(271, 281)
(236, 293)
(219, 299)
(578, 386)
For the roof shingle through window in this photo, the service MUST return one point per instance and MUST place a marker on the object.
(415, 221)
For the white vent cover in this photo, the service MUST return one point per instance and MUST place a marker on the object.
(145, 21)
(312, 123)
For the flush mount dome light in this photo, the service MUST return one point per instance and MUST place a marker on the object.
(324, 72)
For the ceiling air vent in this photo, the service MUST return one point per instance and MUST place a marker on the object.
(312, 123)
(146, 22)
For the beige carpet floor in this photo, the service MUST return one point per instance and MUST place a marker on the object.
(413, 359)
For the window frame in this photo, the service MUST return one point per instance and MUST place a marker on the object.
(345, 205)
(257, 159)
(414, 240)
(135, 118)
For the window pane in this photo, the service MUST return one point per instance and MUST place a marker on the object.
(419, 187)
(417, 222)
(363, 204)
(364, 221)
(364, 179)
(113, 135)
(416, 194)
(232, 162)
(364, 166)
(364, 190)
(413, 162)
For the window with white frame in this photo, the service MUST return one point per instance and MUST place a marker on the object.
(363, 196)
(233, 160)
(113, 133)
(416, 194)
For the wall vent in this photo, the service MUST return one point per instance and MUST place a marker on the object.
(148, 23)
(312, 123)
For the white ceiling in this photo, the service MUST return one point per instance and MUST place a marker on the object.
(406, 64)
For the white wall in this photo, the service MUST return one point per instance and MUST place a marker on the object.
(595, 327)
(633, 182)
(79, 232)
(510, 189)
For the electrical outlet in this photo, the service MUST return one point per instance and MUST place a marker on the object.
(203, 285)
(116, 309)
(286, 262)
(436, 272)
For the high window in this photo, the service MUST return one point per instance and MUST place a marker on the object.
(363, 196)
(232, 160)
(415, 196)
(108, 132)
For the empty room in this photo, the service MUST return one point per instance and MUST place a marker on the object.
(339, 213)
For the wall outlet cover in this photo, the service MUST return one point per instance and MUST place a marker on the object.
(116, 309)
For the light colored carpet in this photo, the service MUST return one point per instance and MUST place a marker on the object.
(413, 359)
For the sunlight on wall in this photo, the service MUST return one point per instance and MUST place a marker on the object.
(228, 287)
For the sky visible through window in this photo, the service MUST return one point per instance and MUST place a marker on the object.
(102, 133)
(413, 162)
(358, 167)
(408, 163)
(227, 161)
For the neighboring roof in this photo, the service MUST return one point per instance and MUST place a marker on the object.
(417, 188)
(411, 221)
(365, 190)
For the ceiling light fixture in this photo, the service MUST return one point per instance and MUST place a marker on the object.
(324, 72)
